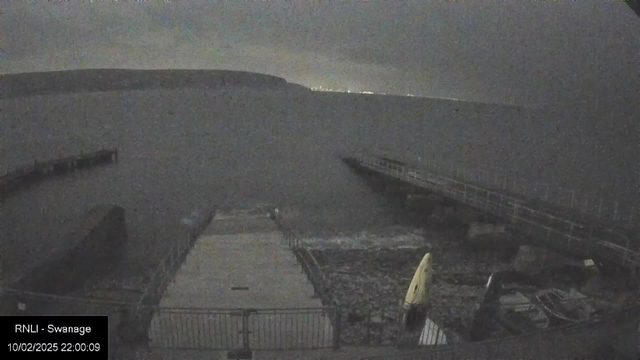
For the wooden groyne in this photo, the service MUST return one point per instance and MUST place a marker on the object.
(39, 170)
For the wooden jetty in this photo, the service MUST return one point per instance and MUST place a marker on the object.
(28, 174)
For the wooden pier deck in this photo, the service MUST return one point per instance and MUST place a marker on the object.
(26, 175)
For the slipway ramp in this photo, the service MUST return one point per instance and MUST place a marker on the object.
(240, 288)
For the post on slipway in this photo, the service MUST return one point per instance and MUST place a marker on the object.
(615, 211)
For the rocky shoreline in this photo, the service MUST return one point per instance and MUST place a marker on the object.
(369, 272)
(370, 284)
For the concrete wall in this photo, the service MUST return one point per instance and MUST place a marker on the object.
(97, 242)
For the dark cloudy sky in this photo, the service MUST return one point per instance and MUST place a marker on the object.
(523, 52)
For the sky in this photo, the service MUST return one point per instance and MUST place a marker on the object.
(530, 53)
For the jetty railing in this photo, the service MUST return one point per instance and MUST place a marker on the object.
(172, 261)
(589, 205)
(586, 237)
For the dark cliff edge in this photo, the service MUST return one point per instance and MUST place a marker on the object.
(99, 80)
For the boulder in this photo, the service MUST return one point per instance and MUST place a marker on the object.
(441, 215)
(531, 259)
(479, 229)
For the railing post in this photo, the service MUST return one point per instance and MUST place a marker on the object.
(337, 325)
(367, 339)
(383, 315)
(245, 329)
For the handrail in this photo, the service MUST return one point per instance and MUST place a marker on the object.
(619, 212)
(413, 175)
(516, 202)
(318, 278)
(168, 263)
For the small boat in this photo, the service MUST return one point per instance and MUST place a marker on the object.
(418, 295)
(571, 307)
(519, 315)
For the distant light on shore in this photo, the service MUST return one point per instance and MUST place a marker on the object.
(349, 91)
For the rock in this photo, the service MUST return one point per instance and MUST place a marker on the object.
(354, 317)
(533, 259)
(597, 286)
(477, 229)
(376, 320)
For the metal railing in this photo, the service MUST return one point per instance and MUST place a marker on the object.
(315, 275)
(538, 221)
(580, 340)
(168, 266)
(171, 262)
(308, 262)
(313, 328)
(591, 205)
(248, 329)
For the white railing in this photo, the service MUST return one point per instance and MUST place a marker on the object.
(515, 210)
